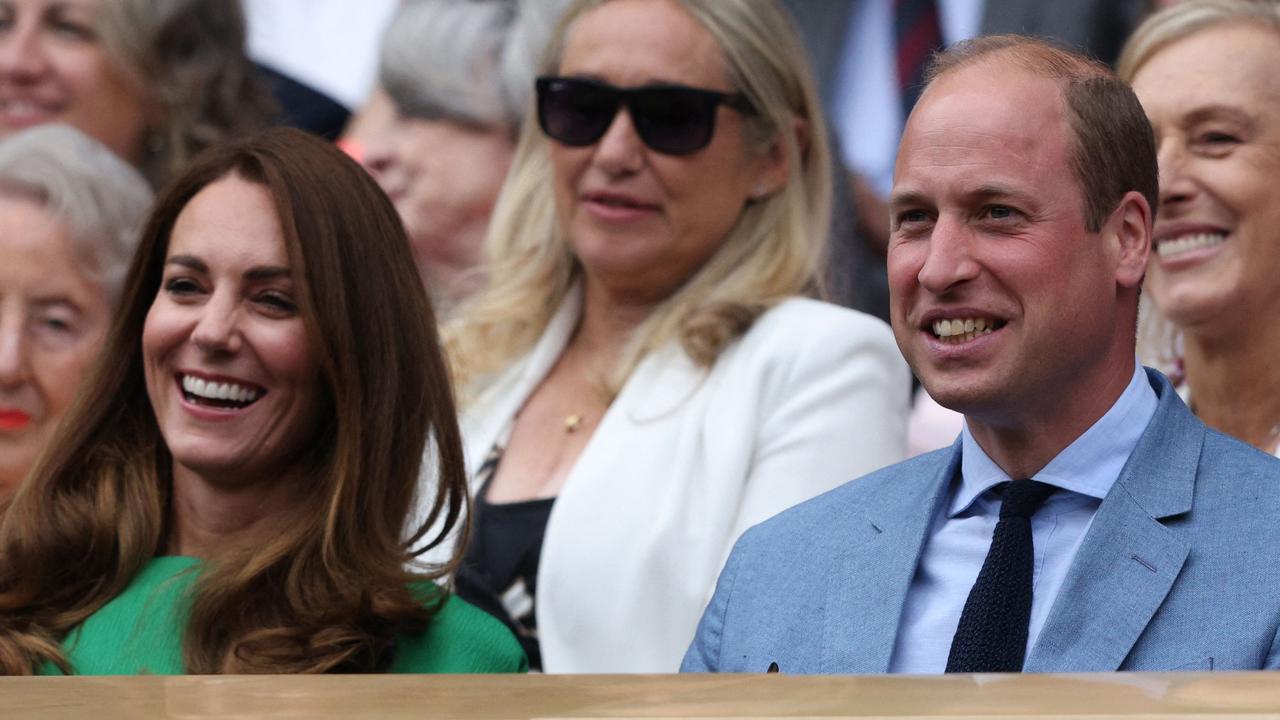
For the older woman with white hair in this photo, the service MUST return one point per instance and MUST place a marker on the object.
(69, 216)
(1205, 71)
(642, 379)
(460, 75)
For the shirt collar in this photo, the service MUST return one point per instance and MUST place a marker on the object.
(1088, 466)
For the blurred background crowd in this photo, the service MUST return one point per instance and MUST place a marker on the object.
(646, 241)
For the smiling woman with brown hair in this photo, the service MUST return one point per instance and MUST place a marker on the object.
(233, 491)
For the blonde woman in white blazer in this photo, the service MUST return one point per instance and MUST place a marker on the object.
(641, 379)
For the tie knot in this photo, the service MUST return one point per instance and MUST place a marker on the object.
(1023, 497)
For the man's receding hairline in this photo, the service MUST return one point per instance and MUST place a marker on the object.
(995, 57)
(1030, 55)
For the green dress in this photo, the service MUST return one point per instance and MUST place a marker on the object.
(140, 632)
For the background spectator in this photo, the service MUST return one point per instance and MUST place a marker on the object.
(639, 356)
(70, 212)
(460, 75)
(154, 80)
(320, 57)
(1205, 71)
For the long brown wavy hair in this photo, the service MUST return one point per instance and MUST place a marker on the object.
(328, 591)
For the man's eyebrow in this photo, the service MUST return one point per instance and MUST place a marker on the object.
(899, 198)
(996, 192)
(990, 191)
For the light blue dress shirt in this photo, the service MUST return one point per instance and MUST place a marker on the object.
(961, 532)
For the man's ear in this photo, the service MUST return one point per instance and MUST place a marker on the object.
(1128, 233)
(777, 164)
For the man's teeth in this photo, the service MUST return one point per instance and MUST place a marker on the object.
(962, 329)
(1170, 248)
(218, 391)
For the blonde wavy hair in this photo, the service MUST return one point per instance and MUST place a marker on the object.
(772, 252)
(1159, 340)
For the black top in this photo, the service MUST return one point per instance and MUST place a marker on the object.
(499, 573)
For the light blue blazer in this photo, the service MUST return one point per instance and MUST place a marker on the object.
(1180, 569)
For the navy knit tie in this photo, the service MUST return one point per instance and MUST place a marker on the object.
(992, 634)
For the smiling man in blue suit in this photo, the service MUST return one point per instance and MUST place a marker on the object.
(1085, 520)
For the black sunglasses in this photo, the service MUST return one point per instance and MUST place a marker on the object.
(671, 119)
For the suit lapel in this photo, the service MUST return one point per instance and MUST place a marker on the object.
(869, 581)
(1129, 559)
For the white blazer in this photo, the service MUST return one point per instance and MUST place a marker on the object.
(685, 460)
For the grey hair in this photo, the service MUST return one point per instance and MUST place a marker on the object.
(467, 61)
(102, 199)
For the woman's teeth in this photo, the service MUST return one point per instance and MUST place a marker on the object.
(216, 393)
(1187, 243)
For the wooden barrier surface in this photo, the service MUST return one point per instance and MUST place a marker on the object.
(1092, 696)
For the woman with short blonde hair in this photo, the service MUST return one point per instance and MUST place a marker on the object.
(1205, 73)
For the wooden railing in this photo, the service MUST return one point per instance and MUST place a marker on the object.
(1092, 696)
